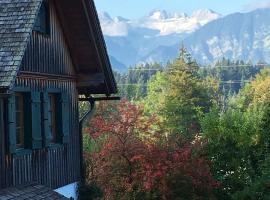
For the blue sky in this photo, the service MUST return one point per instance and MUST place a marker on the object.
(133, 9)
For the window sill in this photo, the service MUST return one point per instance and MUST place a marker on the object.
(23, 152)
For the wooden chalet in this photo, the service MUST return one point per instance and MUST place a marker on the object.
(51, 51)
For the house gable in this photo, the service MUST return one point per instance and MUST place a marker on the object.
(48, 53)
(88, 47)
(83, 35)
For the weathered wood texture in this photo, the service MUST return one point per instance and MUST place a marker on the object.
(47, 64)
(56, 166)
(49, 53)
(2, 150)
(79, 36)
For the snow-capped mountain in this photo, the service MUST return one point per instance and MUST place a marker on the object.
(166, 23)
(113, 27)
(239, 36)
(206, 34)
(129, 41)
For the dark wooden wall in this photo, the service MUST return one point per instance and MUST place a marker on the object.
(2, 148)
(56, 166)
(49, 53)
(47, 64)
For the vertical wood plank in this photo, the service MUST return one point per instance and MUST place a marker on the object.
(52, 167)
(2, 147)
(49, 54)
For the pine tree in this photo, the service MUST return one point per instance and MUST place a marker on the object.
(180, 97)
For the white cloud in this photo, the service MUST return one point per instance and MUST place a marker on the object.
(253, 5)
(113, 27)
(165, 23)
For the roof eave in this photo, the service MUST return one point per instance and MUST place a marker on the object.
(100, 46)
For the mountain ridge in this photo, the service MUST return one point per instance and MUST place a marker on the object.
(166, 23)
(238, 36)
(243, 36)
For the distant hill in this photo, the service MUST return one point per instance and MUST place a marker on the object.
(116, 65)
(244, 36)
(129, 41)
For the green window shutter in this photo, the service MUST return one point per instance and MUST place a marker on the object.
(64, 125)
(36, 120)
(11, 125)
(27, 120)
(45, 119)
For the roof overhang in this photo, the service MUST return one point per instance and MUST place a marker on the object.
(84, 36)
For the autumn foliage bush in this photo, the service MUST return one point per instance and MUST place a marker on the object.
(134, 158)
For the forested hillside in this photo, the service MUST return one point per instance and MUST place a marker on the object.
(231, 75)
(182, 131)
(208, 36)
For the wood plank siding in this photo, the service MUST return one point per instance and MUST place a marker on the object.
(47, 64)
(2, 148)
(56, 166)
(49, 53)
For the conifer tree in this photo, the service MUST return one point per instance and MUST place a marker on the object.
(180, 97)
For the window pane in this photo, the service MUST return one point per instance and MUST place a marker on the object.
(17, 99)
(52, 117)
(18, 136)
(19, 112)
(18, 119)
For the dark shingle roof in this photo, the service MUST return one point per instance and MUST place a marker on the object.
(32, 191)
(17, 18)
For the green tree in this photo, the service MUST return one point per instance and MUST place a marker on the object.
(132, 85)
(179, 95)
(239, 144)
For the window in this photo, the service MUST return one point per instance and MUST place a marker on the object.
(42, 24)
(19, 113)
(52, 117)
(55, 112)
(37, 119)
(24, 120)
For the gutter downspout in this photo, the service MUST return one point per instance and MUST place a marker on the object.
(85, 118)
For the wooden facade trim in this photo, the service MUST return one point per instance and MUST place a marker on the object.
(88, 45)
(87, 6)
(47, 76)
